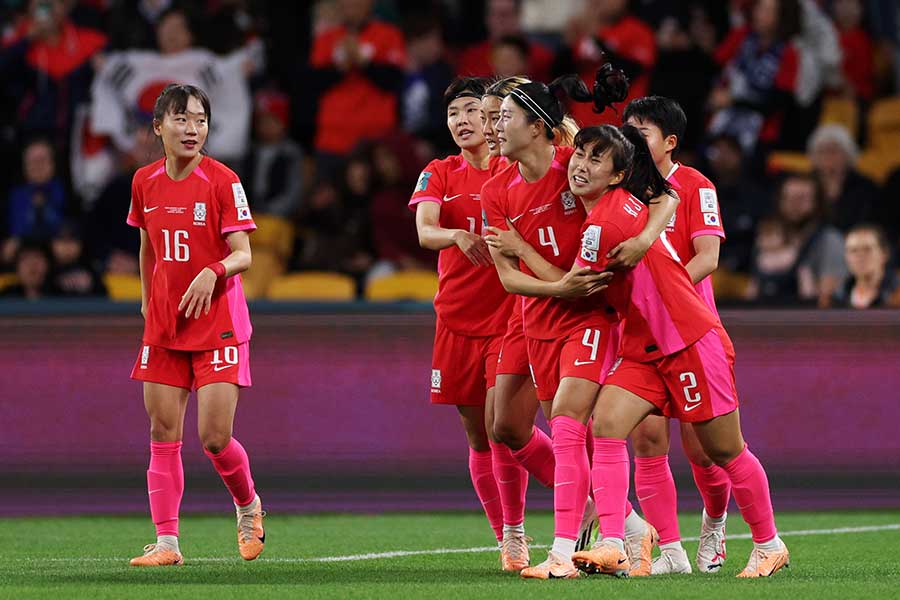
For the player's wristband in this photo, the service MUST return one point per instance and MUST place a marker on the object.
(217, 268)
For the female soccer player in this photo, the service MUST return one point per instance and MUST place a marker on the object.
(472, 313)
(194, 222)
(570, 344)
(675, 356)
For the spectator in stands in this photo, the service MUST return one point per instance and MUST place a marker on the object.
(357, 74)
(743, 201)
(274, 169)
(858, 65)
(73, 274)
(760, 69)
(503, 19)
(509, 56)
(871, 283)
(32, 270)
(45, 65)
(798, 257)
(888, 211)
(427, 76)
(607, 28)
(850, 198)
(132, 25)
(37, 207)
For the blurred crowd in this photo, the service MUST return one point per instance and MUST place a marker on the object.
(328, 110)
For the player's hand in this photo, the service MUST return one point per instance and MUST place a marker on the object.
(628, 253)
(474, 247)
(582, 281)
(508, 241)
(198, 297)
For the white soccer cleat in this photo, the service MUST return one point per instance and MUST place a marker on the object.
(589, 522)
(672, 561)
(711, 551)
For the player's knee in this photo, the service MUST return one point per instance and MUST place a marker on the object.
(510, 433)
(215, 442)
(605, 426)
(160, 431)
(649, 445)
(721, 455)
(697, 456)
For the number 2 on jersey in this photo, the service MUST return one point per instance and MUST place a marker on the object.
(179, 241)
(547, 238)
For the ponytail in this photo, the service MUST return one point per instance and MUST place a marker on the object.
(644, 180)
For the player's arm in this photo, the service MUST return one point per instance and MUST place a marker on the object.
(706, 259)
(434, 237)
(631, 251)
(576, 283)
(147, 261)
(511, 244)
(197, 299)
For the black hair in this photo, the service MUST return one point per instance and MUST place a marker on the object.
(790, 19)
(663, 112)
(465, 86)
(628, 152)
(875, 229)
(174, 98)
(546, 102)
(516, 41)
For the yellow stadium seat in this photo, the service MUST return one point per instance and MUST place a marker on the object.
(266, 266)
(8, 280)
(840, 111)
(877, 164)
(790, 162)
(273, 233)
(729, 285)
(884, 125)
(405, 285)
(122, 287)
(314, 286)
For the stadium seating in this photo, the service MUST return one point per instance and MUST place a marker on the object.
(267, 266)
(273, 243)
(884, 125)
(788, 162)
(8, 280)
(405, 285)
(314, 286)
(123, 287)
(841, 111)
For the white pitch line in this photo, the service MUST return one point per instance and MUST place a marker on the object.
(439, 551)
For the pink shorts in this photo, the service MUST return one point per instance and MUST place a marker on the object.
(463, 367)
(693, 385)
(194, 369)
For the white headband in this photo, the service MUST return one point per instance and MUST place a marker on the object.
(534, 106)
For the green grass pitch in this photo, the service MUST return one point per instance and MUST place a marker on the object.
(834, 555)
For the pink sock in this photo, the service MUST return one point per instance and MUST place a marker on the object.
(610, 481)
(233, 467)
(751, 492)
(655, 489)
(715, 488)
(165, 485)
(572, 475)
(481, 469)
(537, 457)
(512, 483)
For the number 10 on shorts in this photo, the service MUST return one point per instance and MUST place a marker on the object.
(230, 355)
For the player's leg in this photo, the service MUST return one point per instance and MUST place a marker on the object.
(481, 466)
(715, 489)
(216, 407)
(167, 382)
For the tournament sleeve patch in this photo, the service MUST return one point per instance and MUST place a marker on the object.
(708, 202)
(422, 184)
(240, 198)
(711, 219)
(590, 239)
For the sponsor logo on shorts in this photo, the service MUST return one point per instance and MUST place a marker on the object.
(581, 363)
(436, 380)
(218, 368)
(200, 213)
(145, 357)
(614, 366)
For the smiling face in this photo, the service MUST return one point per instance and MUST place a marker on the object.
(464, 122)
(864, 254)
(591, 172)
(183, 134)
(490, 114)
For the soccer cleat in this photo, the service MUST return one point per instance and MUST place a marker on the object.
(157, 557)
(711, 551)
(639, 549)
(250, 533)
(555, 567)
(604, 558)
(514, 552)
(589, 521)
(764, 563)
(672, 561)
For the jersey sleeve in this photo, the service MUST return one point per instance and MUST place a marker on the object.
(430, 187)
(597, 239)
(492, 204)
(136, 212)
(234, 210)
(704, 217)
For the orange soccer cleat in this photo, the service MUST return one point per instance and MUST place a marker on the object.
(555, 567)
(639, 549)
(155, 556)
(765, 563)
(514, 554)
(251, 535)
(604, 558)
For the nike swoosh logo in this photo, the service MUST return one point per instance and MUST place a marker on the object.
(579, 363)
(690, 407)
(563, 483)
(506, 481)
(154, 491)
(449, 198)
(621, 560)
(217, 369)
(517, 218)
(146, 210)
(645, 497)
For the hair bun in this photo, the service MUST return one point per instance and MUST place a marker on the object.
(610, 86)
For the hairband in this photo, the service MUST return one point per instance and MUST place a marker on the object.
(534, 106)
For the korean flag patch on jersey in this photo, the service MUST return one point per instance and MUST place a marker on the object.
(711, 219)
(590, 243)
(708, 202)
(243, 214)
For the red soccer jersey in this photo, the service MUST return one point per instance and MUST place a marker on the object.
(697, 214)
(470, 299)
(187, 222)
(662, 311)
(549, 217)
